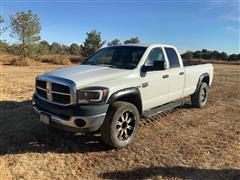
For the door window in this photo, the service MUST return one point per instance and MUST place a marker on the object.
(156, 54)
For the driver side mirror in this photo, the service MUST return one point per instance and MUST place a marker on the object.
(157, 66)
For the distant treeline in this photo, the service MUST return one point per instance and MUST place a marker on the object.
(25, 27)
(44, 48)
(210, 55)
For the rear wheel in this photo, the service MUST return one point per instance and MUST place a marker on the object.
(120, 125)
(200, 97)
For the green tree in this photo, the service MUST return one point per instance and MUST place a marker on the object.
(3, 44)
(114, 42)
(3, 28)
(74, 49)
(43, 48)
(55, 48)
(223, 56)
(13, 49)
(92, 43)
(234, 57)
(197, 55)
(25, 27)
(133, 40)
(64, 49)
(187, 55)
(214, 55)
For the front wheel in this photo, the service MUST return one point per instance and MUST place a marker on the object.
(120, 125)
(200, 97)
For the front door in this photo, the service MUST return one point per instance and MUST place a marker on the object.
(155, 84)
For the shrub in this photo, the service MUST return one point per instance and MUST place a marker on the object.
(24, 62)
(56, 59)
(7, 59)
(76, 59)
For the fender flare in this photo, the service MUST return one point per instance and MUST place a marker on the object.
(128, 92)
(202, 76)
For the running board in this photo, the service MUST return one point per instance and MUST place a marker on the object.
(162, 108)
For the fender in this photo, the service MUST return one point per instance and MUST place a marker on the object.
(200, 80)
(131, 95)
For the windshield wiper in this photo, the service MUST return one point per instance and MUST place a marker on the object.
(111, 66)
(89, 63)
(105, 65)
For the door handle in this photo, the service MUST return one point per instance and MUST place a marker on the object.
(181, 73)
(165, 76)
(144, 84)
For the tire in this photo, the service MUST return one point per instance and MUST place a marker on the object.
(120, 125)
(200, 97)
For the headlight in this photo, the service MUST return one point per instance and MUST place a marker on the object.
(92, 95)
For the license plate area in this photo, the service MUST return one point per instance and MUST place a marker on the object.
(45, 118)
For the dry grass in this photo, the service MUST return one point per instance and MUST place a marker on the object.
(51, 59)
(24, 62)
(185, 143)
(76, 59)
(56, 59)
(17, 60)
(7, 59)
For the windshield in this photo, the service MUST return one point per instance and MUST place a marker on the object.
(123, 57)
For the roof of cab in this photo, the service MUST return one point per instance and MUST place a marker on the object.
(144, 45)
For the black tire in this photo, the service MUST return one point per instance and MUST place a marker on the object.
(113, 125)
(200, 97)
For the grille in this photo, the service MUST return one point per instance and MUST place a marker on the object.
(53, 92)
(42, 93)
(60, 88)
(41, 84)
(63, 99)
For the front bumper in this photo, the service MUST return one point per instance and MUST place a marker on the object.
(65, 117)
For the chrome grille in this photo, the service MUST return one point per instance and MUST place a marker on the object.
(53, 92)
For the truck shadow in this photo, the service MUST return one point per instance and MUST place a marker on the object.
(173, 172)
(21, 131)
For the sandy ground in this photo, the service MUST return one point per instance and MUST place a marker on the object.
(184, 143)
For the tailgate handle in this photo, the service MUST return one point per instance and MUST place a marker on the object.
(181, 73)
(165, 76)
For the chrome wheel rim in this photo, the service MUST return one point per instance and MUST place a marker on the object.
(125, 125)
(203, 95)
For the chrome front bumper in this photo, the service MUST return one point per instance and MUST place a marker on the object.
(93, 123)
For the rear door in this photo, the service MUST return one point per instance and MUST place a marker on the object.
(176, 74)
(154, 89)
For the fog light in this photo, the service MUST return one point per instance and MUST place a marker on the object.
(80, 123)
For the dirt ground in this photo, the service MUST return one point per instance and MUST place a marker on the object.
(184, 143)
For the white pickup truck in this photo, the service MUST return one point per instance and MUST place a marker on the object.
(113, 88)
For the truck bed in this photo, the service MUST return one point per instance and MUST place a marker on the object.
(191, 62)
(192, 73)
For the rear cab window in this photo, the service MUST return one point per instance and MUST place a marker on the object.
(172, 57)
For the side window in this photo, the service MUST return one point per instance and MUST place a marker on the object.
(156, 54)
(172, 58)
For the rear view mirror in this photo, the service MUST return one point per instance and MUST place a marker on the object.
(159, 65)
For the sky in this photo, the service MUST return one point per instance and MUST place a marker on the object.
(187, 24)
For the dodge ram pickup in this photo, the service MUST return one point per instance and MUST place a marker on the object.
(116, 86)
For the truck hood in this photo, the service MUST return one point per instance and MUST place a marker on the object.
(83, 75)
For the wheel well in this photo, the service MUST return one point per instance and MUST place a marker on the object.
(203, 78)
(206, 80)
(133, 99)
